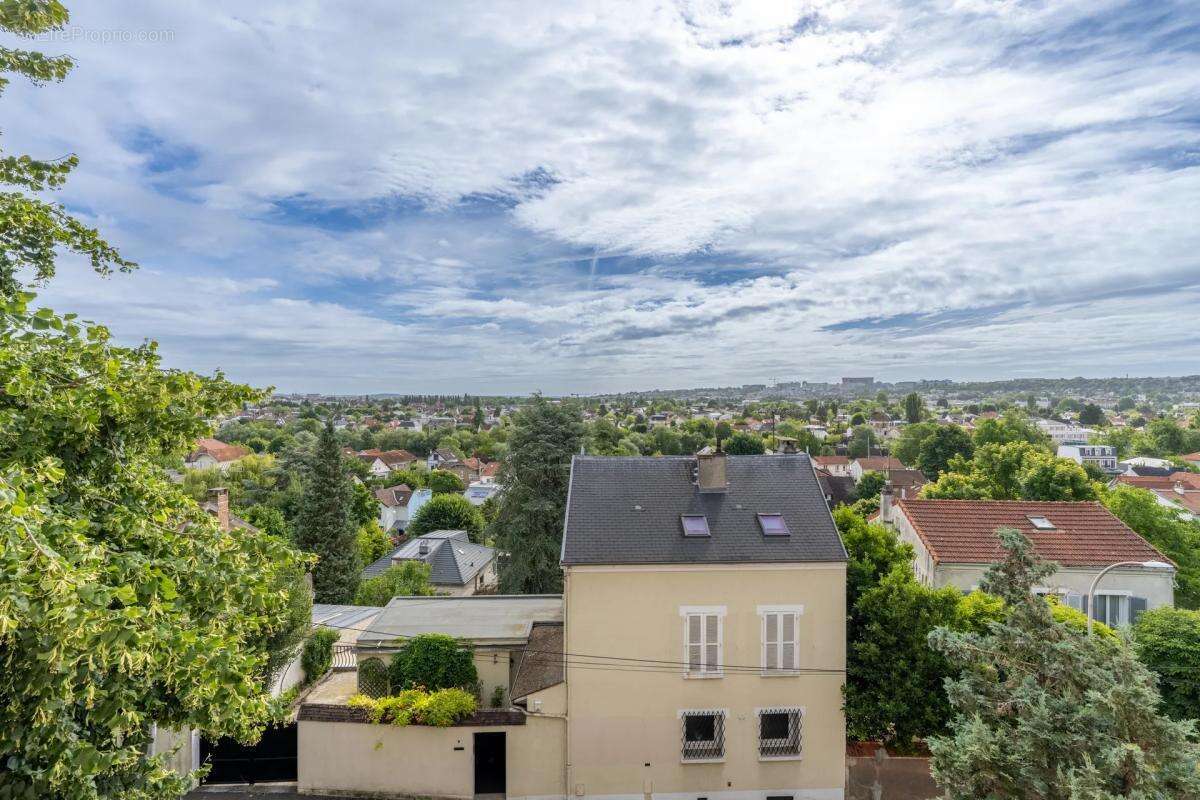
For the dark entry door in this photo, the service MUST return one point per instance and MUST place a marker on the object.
(489, 764)
(272, 759)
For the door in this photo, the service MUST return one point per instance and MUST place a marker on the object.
(490, 775)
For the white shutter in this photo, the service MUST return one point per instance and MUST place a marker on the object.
(703, 632)
(787, 641)
(712, 643)
(780, 630)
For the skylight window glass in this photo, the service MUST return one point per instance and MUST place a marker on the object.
(695, 525)
(1041, 523)
(773, 525)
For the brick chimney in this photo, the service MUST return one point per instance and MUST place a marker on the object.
(710, 472)
(886, 496)
(220, 497)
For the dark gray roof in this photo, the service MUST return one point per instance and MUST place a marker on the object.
(453, 559)
(538, 665)
(625, 510)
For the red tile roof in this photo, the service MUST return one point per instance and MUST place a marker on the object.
(1084, 535)
(219, 450)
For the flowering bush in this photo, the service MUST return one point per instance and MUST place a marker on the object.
(439, 709)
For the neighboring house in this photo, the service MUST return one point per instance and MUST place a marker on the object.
(1146, 467)
(1179, 491)
(489, 472)
(383, 462)
(729, 573)
(1064, 432)
(956, 541)
(214, 453)
(1193, 459)
(514, 751)
(1102, 456)
(838, 489)
(885, 464)
(834, 465)
(441, 458)
(457, 566)
(393, 507)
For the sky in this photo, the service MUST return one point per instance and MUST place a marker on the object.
(592, 197)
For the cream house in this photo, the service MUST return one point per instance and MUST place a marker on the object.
(705, 629)
(955, 543)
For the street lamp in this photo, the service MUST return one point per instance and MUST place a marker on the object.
(1091, 604)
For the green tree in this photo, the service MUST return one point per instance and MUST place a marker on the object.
(604, 438)
(1012, 427)
(407, 579)
(433, 661)
(744, 443)
(325, 527)
(1091, 414)
(1046, 477)
(33, 230)
(914, 407)
(870, 485)
(371, 543)
(872, 550)
(534, 478)
(447, 512)
(268, 520)
(908, 444)
(442, 481)
(1175, 538)
(936, 450)
(1042, 710)
(1168, 642)
(364, 506)
(862, 442)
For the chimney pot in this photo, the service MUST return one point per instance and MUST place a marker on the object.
(886, 496)
(220, 496)
(710, 472)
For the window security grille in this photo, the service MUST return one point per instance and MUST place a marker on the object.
(779, 732)
(703, 735)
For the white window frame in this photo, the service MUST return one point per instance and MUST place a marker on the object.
(801, 711)
(1122, 606)
(723, 713)
(686, 612)
(782, 671)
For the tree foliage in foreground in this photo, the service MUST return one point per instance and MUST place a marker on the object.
(447, 512)
(1043, 710)
(122, 604)
(1168, 642)
(534, 477)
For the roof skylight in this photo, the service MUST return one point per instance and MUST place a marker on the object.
(1041, 523)
(773, 525)
(694, 524)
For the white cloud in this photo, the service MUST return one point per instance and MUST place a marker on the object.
(622, 194)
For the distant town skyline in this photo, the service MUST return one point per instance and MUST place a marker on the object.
(604, 197)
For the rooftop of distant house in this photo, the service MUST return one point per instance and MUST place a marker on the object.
(218, 450)
(1070, 534)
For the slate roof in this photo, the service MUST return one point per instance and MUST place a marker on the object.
(539, 665)
(1084, 535)
(626, 510)
(838, 488)
(454, 560)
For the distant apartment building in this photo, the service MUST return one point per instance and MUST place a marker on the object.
(1064, 432)
(1102, 456)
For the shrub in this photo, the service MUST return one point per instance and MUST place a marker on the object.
(447, 512)
(440, 709)
(1168, 642)
(433, 661)
(317, 657)
(498, 696)
(405, 579)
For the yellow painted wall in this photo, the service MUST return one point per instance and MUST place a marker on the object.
(386, 760)
(620, 721)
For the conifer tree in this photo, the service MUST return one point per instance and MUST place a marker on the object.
(1043, 710)
(528, 525)
(324, 526)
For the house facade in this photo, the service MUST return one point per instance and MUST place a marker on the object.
(1102, 456)
(955, 542)
(214, 453)
(705, 627)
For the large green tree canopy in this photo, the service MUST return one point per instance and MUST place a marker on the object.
(122, 604)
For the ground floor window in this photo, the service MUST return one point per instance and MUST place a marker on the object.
(703, 735)
(779, 732)
(1111, 609)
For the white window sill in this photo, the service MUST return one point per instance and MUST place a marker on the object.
(781, 758)
(702, 676)
(702, 761)
(780, 673)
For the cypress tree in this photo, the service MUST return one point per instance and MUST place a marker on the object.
(324, 526)
(527, 528)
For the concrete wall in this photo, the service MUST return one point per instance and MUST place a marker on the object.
(883, 777)
(417, 761)
(625, 729)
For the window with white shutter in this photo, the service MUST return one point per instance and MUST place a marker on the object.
(702, 631)
(780, 639)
